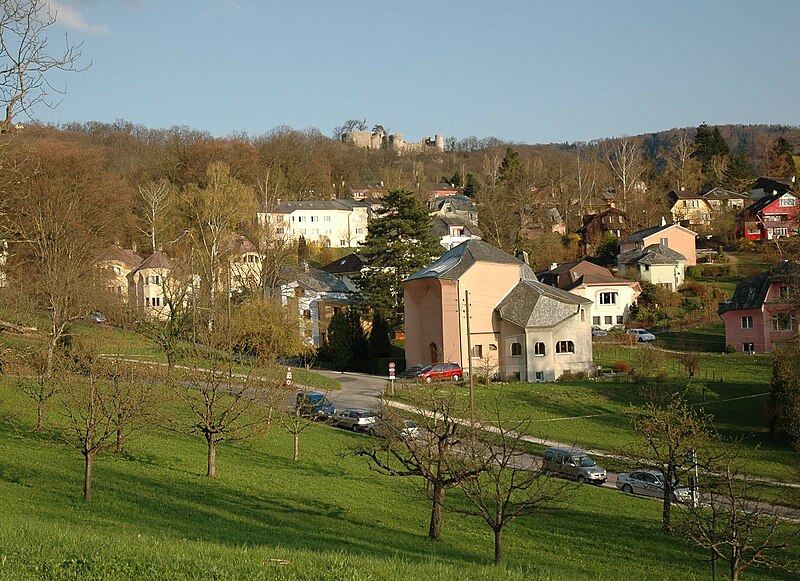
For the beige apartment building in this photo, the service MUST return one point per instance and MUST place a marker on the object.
(334, 223)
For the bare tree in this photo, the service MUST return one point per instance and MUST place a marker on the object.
(511, 486)
(25, 58)
(682, 168)
(91, 411)
(132, 393)
(732, 525)
(668, 432)
(294, 422)
(42, 385)
(154, 197)
(429, 456)
(625, 160)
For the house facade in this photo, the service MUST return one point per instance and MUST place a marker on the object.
(518, 326)
(334, 223)
(655, 264)
(611, 221)
(769, 217)
(611, 297)
(672, 236)
(696, 211)
(151, 284)
(117, 263)
(760, 314)
(347, 269)
(315, 296)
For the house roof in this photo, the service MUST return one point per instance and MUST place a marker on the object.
(457, 202)
(353, 262)
(652, 254)
(341, 204)
(156, 260)
(313, 278)
(570, 275)
(456, 261)
(751, 293)
(240, 245)
(765, 201)
(118, 254)
(770, 185)
(534, 304)
(723, 194)
(442, 223)
(640, 235)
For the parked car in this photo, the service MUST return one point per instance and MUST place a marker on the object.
(573, 464)
(356, 419)
(96, 317)
(315, 405)
(384, 429)
(598, 331)
(642, 335)
(409, 372)
(650, 483)
(441, 371)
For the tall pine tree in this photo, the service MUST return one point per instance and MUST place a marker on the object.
(399, 243)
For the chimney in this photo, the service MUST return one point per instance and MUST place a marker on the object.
(663, 221)
(554, 266)
(683, 188)
(133, 246)
(522, 256)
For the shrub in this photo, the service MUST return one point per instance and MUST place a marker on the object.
(621, 366)
(693, 271)
(572, 376)
(730, 348)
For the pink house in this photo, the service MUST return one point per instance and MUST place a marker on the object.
(760, 313)
(673, 236)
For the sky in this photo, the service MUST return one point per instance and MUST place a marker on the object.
(527, 71)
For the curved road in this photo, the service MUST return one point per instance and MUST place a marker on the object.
(359, 390)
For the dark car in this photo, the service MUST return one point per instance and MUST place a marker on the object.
(409, 372)
(441, 372)
(315, 405)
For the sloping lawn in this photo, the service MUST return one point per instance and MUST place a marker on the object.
(154, 516)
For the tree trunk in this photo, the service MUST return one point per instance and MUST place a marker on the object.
(87, 475)
(498, 545)
(119, 445)
(435, 529)
(212, 457)
(666, 513)
(40, 415)
(296, 446)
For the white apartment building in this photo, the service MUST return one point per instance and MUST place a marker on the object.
(334, 223)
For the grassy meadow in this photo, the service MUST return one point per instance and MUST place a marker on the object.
(155, 516)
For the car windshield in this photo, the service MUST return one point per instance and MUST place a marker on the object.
(427, 368)
(584, 462)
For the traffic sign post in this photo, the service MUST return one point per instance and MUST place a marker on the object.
(288, 377)
(391, 375)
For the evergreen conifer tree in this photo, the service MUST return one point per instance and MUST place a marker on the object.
(399, 244)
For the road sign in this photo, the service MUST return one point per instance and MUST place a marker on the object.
(391, 365)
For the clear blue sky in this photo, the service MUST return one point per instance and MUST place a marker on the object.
(522, 70)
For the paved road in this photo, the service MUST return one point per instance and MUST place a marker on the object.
(358, 389)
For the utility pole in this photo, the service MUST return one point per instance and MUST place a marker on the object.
(469, 363)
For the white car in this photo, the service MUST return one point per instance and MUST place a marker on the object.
(651, 483)
(642, 335)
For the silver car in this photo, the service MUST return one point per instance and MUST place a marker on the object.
(355, 419)
(642, 335)
(650, 483)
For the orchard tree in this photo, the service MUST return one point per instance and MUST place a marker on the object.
(399, 243)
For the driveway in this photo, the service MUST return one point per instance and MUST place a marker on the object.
(359, 390)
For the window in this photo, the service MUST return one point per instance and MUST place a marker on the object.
(359, 230)
(565, 347)
(492, 347)
(516, 349)
(781, 232)
(539, 350)
(155, 279)
(314, 231)
(748, 348)
(279, 230)
(342, 242)
(609, 320)
(747, 322)
(314, 218)
(155, 301)
(783, 322)
(787, 201)
(301, 218)
(784, 292)
(596, 321)
(664, 242)
(608, 298)
(539, 375)
(299, 291)
(583, 316)
(620, 320)
(306, 313)
(326, 218)
(477, 351)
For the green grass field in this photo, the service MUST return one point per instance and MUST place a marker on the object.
(154, 516)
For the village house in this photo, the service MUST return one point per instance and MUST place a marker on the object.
(656, 264)
(334, 223)
(770, 216)
(151, 285)
(611, 297)
(596, 227)
(455, 220)
(761, 312)
(245, 265)
(518, 327)
(347, 269)
(315, 296)
(672, 236)
(117, 263)
(697, 211)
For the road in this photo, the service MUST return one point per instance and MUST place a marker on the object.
(359, 390)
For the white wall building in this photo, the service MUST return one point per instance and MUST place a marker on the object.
(334, 223)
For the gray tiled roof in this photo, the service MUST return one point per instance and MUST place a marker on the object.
(314, 279)
(442, 223)
(343, 204)
(751, 293)
(640, 235)
(456, 261)
(652, 254)
(117, 253)
(353, 262)
(156, 260)
(535, 304)
(458, 202)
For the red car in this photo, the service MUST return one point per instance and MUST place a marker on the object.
(441, 371)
